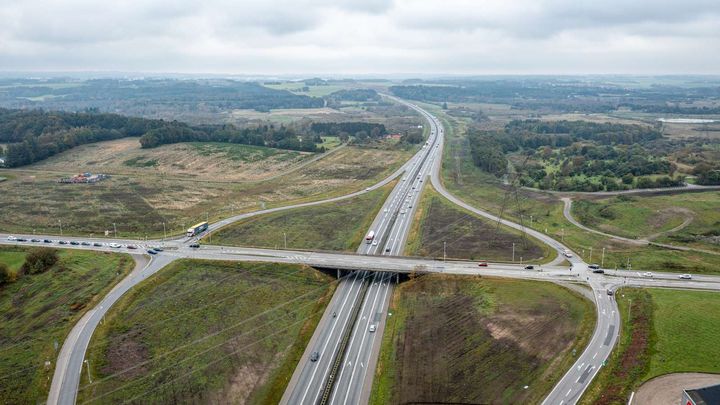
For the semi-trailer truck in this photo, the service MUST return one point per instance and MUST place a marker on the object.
(370, 236)
(197, 229)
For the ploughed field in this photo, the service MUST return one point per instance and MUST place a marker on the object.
(453, 339)
(206, 332)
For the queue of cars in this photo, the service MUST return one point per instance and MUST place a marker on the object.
(112, 245)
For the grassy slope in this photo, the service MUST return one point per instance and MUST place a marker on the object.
(207, 331)
(484, 191)
(468, 236)
(663, 331)
(334, 226)
(535, 327)
(39, 310)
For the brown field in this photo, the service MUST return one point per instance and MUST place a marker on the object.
(140, 203)
(455, 339)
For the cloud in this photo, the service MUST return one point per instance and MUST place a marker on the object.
(362, 36)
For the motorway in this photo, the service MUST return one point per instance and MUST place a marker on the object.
(340, 374)
(391, 226)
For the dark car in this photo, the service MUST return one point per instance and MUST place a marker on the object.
(599, 271)
(387, 249)
(97, 244)
(483, 264)
(131, 247)
(594, 266)
(610, 292)
(47, 241)
(530, 267)
(21, 240)
(62, 242)
(314, 356)
(157, 249)
(74, 242)
(35, 240)
(85, 243)
(152, 252)
(194, 245)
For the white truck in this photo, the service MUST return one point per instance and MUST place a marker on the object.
(370, 236)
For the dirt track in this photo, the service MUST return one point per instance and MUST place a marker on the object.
(667, 389)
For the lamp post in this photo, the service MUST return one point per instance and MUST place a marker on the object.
(513, 253)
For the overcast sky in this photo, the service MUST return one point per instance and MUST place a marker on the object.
(362, 36)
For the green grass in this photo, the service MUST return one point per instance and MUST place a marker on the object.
(333, 226)
(239, 152)
(39, 310)
(207, 332)
(663, 331)
(480, 340)
(466, 235)
(140, 161)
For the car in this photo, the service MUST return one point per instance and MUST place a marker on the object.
(685, 277)
(483, 264)
(11, 238)
(157, 249)
(567, 253)
(367, 189)
(21, 240)
(404, 178)
(598, 271)
(374, 243)
(114, 245)
(47, 241)
(647, 274)
(409, 206)
(152, 252)
(133, 247)
(194, 245)
(314, 356)
(97, 244)
(35, 240)
(372, 328)
(594, 266)
(529, 267)
(385, 210)
(85, 243)
(387, 250)
(610, 292)
(62, 242)
(74, 242)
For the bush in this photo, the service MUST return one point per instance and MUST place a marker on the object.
(39, 260)
(4, 274)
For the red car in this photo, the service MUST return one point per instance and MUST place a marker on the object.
(483, 264)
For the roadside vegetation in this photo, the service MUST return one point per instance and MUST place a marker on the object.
(46, 292)
(206, 332)
(662, 332)
(443, 228)
(338, 225)
(453, 339)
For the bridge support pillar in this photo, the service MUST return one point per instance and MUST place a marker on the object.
(338, 274)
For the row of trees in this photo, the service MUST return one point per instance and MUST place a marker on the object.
(38, 260)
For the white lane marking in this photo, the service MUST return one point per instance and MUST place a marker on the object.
(595, 356)
(580, 366)
(569, 391)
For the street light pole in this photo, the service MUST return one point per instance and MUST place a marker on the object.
(513, 253)
(60, 221)
(444, 250)
(602, 259)
(285, 239)
(115, 229)
(590, 255)
(164, 233)
(562, 234)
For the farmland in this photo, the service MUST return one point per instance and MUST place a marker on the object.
(334, 226)
(140, 201)
(655, 341)
(237, 332)
(40, 309)
(478, 340)
(462, 235)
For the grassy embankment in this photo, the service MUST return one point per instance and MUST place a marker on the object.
(40, 309)
(663, 331)
(333, 226)
(207, 332)
(544, 213)
(440, 224)
(478, 340)
(143, 198)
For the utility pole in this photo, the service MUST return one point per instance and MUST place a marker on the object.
(60, 221)
(513, 252)
(87, 363)
(562, 234)
(444, 250)
(590, 255)
(285, 239)
(164, 233)
(115, 229)
(602, 260)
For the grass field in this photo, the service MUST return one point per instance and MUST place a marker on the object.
(207, 332)
(654, 216)
(667, 331)
(334, 226)
(543, 212)
(455, 339)
(39, 310)
(140, 203)
(441, 225)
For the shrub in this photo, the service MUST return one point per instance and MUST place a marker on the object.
(4, 274)
(39, 260)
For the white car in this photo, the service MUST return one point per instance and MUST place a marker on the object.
(685, 277)
(567, 253)
(114, 245)
(374, 243)
(647, 274)
(402, 212)
(11, 238)
(372, 328)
